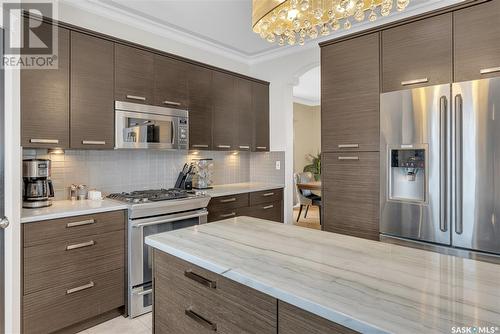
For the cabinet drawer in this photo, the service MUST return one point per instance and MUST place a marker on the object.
(68, 260)
(266, 196)
(67, 304)
(72, 227)
(225, 305)
(223, 214)
(269, 211)
(228, 202)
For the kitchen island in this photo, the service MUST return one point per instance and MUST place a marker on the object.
(268, 274)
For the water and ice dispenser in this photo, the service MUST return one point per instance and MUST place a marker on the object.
(408, 174)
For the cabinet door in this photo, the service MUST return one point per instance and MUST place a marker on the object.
(92, 97)
(134, 75)
(351, 193)
(244, 134)
(477, 42)
(170, 83)
(225, 117)
(200, 107)
(350, 95)
(45, 99)
(417, 54)
(260, 105)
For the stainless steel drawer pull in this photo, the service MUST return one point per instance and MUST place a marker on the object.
(81, 223)
(490, 70)
(44, 141)
(244, 147)
(224, 146)
(262, 147)
(414, 82)
(200, 279)
(80, 288)
(172, 103)
(227, 215)
(348, 158)
(200, 146)
(201, 320)
(145, 292)
(268, 207)
(93, 142)
(349, 146)
(82, 245)
(135, 97)
(268, 194)
(229, 200)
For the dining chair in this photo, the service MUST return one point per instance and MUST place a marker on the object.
(305, 197)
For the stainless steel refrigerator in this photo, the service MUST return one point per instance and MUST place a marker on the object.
(440, 165)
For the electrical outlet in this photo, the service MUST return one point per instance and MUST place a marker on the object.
(278, 165)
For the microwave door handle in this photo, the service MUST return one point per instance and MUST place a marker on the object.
(170, 220)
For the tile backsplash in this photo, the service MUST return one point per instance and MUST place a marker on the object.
(116, 171)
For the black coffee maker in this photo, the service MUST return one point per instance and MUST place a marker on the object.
(37, 186)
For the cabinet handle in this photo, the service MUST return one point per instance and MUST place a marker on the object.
(145, 292)
(80, 223)
(227, 215)
(414, 82)
(82, 245)
(349, 146)
(262, 147)
(201, 320)
(200, 146)
(93, 142)
(268, 207)
(229, 200)
(172, 103)
(268, 194)
(348, 158)
(224, 146)
(80, 288)
(200, 279)
(44, 141)
(135, 97)
(244, 147)
(490, 70)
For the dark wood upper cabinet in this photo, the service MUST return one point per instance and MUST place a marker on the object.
(477, 42)
(225, 115)
(170, 82)
(45, 99)
(351, 193)
(200, 107)
(350, 95)
(260, 107)
(418, 54)
(244, 133)
(92, 96)
(134, 75)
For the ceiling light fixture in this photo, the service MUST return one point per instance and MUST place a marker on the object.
(292, 21)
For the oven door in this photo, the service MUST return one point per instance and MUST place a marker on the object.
(140, 254)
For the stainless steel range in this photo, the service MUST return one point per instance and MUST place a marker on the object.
(151, 212)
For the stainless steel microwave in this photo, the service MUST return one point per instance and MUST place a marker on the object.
(139, 126)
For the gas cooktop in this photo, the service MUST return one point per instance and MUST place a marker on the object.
(155, 195)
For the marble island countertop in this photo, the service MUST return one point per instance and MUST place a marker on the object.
(368, 286)
(240, 188)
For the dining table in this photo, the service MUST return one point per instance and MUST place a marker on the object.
(313, 186)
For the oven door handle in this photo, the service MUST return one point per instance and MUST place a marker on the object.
(170, 220)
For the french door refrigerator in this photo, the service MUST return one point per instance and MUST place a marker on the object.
(440, 165)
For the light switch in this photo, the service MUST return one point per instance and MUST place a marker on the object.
(278, 165)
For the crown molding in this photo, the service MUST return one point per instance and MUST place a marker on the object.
(306, 101)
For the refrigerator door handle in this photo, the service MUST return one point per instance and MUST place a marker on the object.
(458, 163)
(443, 109)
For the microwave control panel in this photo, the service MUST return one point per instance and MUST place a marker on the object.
(183, 135)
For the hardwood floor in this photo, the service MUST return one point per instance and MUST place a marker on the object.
(312, 220)
(121, 325)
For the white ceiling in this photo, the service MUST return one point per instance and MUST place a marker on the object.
(308, 90)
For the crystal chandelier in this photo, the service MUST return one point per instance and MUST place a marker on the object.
(292, 21)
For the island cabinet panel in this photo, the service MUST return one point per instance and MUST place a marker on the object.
(189, 299)
(92, 95)
(292, 320)
(418, 54)
(350, 95)
(134, 75)
(225, 115)
(244, 134)
(45, 98)
(260, 110)
(477, 42)
(200, 107)
(351, 194)
(170, 82)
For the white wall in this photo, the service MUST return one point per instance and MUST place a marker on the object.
(306, 134)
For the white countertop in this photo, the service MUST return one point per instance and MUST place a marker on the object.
(369, 286)
(240, 188)
(62, 209)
